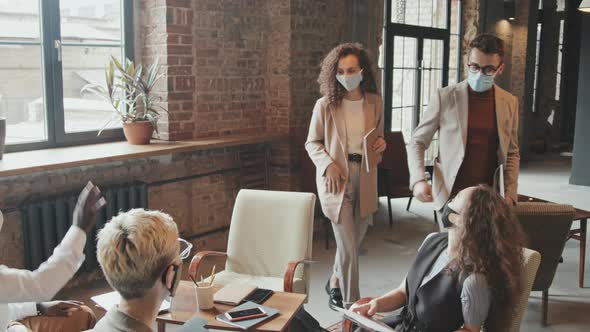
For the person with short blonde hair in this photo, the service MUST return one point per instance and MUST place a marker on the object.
(138, 252)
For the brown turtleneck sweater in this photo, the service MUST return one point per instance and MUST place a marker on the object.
(481, 150)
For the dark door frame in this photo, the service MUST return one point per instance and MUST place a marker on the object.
(391, 30)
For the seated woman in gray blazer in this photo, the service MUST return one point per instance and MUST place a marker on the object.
(349, 109)
(458, 278)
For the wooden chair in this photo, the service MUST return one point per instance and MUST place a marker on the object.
(394, 174)
(547, 227)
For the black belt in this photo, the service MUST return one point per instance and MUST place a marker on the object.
(355, 157)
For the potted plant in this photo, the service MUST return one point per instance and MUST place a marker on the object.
(129, 91)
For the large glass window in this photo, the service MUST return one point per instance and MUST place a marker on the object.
(22, 86)
(559, 55)
(425, 13)
(424, 38)
(49, 50)
(537, 57)
(455, 43)
(541, 71)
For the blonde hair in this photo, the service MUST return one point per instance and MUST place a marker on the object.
(134, 248)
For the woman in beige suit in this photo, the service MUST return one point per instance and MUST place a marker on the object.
(349, 109)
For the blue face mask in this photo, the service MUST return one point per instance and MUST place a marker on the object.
(480, 82)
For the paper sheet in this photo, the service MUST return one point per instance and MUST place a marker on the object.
(370, 157)
(365, 322)
(109, 300)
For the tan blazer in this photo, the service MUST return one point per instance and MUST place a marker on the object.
(447, 113)
(326, 144)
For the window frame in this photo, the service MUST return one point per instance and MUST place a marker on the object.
(418, 32)
(51, 70)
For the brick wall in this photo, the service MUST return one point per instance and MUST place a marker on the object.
(237, 67)
(197, 189)
(230, 67)
(230, 42)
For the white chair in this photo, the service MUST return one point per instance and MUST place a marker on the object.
(531, 260)
(270, 235)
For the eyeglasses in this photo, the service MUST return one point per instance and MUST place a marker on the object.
(487, 70)
(185, 248)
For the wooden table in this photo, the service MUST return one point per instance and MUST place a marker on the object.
(184, 307)
(576, 234)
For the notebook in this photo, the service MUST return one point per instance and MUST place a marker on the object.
(109, 300)
(365, 322)
(233, 294)
(499, 180)
(370, 157)
(246, 324)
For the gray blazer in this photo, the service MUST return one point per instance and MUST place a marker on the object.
(447, 114)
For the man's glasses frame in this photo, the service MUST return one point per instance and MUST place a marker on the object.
(487, 70)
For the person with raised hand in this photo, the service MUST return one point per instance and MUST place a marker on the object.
(25, 295)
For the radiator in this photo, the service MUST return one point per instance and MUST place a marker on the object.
(45, 222)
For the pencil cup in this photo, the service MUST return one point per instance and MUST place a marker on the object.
(204, 292)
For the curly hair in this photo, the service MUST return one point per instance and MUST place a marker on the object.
(491, 244)
(329, 86)
(488, 44)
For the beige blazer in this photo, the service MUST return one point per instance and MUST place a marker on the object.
(447, 113)
(326, 144)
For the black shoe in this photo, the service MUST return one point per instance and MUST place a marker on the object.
(335, 297)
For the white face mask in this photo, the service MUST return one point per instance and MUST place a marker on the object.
(350, 82)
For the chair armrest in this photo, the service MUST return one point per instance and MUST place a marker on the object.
(290, 275)
(198, 257)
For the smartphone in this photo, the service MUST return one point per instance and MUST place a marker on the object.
(259, 295)
(239, 315)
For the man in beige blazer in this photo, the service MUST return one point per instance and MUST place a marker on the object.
(477, 123)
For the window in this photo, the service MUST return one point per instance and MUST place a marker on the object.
(425, 13)
(455, 42)
(537, 57)
(559, 54)
(49, 50)
(424, 38)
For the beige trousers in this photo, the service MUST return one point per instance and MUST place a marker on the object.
(349, 234)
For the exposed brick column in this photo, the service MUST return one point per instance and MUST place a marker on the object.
(230, 66)
(470, 30)
(180, 74)
(153, 44)
(279, 104)
(166, 33)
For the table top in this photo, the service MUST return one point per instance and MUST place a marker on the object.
(184, 307)
(580, 214)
